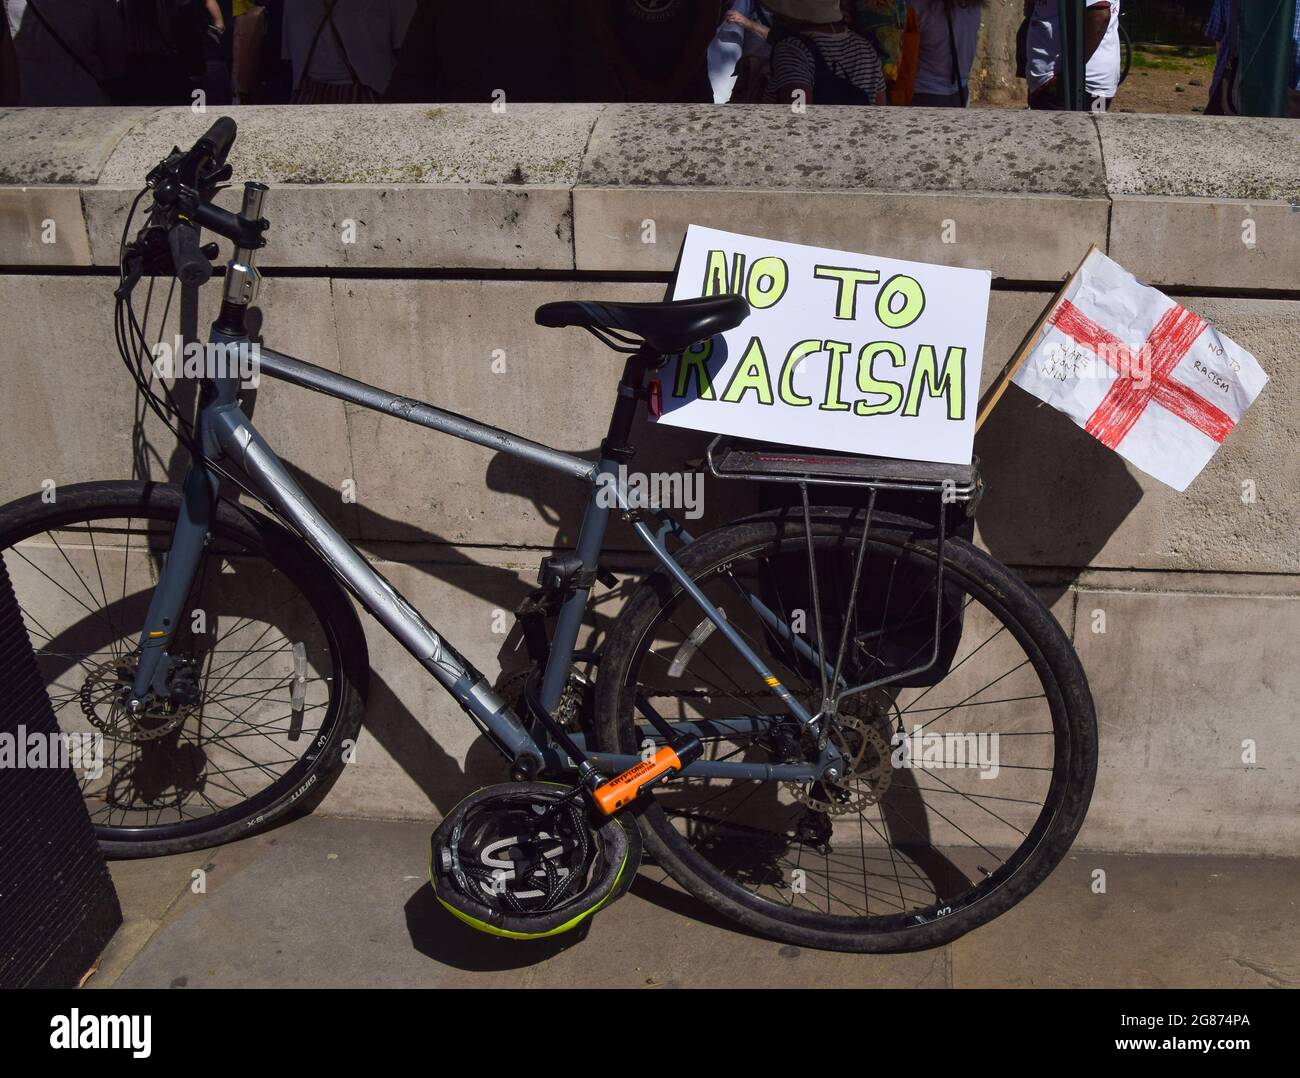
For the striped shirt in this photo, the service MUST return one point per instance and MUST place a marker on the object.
(847, 54)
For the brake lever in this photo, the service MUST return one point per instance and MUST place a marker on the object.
(210, 184)
(149, 255)
(132, 270)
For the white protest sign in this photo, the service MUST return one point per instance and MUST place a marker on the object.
(841, 351)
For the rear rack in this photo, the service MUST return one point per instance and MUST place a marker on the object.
(730, 458)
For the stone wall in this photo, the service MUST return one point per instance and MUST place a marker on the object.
(465, 220)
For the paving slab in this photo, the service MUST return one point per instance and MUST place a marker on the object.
(327, 902)
(1162, 922)
(147, 889)
(828, 148)
(341, 144)
(68, 405)
(377, 226)
(952, 228)
(1197, 753)
(1221, 242)
(448, 186)
(43, 226)
(61, 145)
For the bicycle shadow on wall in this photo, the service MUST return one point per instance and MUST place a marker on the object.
(440, 776)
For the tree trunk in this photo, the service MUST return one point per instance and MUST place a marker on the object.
(993, 75)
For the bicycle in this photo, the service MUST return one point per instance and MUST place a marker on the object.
(747, 725)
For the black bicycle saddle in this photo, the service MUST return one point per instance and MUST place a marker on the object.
(668, 327)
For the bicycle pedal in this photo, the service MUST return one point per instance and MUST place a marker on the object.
(523, 860)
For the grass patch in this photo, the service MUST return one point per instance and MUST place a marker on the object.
(1188, 59)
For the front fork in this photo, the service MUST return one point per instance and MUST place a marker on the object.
(166, 608)
(201, 484)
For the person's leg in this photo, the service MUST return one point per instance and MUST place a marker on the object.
(1099, 104)
(1045, 97)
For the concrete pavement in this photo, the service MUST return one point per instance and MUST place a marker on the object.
(329, 902)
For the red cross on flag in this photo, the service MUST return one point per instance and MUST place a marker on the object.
(1141, 374)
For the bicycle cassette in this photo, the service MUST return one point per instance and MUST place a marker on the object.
(529, 859)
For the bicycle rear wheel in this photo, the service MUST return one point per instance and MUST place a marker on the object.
(913, 847)
(269, 661)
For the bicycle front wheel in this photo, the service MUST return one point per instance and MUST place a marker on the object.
(268, 664)
(965, 783)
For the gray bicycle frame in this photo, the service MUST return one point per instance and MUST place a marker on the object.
(225, 431)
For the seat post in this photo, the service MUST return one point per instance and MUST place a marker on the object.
(630, 389)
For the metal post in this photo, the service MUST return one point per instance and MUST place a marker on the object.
(1070, 19)
(1265, 50)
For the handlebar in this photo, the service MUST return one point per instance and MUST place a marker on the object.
(218, 139)
(183, 186)
(189, 263)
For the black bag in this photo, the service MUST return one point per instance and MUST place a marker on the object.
(900, 600)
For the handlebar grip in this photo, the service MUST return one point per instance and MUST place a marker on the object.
(219, 138)
(191, 265)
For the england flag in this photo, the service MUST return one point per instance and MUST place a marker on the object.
(1138, 372)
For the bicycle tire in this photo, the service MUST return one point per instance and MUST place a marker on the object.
(1031, 622)
(305, 782)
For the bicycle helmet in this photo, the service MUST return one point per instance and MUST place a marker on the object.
(529, 859)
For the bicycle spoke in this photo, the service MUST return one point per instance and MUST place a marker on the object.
(176, 764)
(910, 847)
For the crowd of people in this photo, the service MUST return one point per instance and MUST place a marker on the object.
(100, 52)
(900, 52)
(866, 52)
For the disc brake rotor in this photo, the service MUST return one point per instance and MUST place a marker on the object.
(867, 772)
(101, 702)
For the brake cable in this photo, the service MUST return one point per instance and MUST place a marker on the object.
(133, 348)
